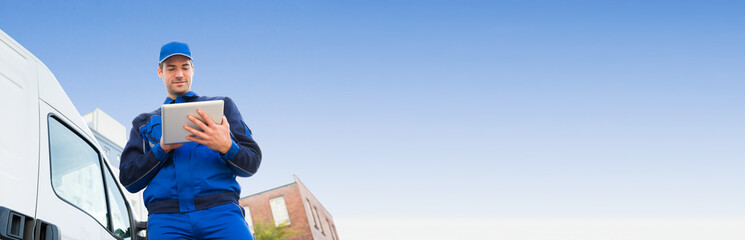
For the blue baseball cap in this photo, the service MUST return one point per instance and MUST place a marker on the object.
(174, 48)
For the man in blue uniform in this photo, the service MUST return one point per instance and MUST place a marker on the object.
(190, 188)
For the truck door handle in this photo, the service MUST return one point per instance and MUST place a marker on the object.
(46, 231)
(14, 225)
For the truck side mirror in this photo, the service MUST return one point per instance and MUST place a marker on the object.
(141, 230)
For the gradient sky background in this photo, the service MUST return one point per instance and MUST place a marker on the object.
(441, 109)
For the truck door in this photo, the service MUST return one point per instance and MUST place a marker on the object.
(72, 188)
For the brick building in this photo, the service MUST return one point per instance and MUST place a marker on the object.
(295, 204)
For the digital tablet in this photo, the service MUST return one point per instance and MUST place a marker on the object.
(174, 118)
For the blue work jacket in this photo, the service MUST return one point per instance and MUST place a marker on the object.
(191, 177)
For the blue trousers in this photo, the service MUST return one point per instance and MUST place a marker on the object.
(220, 222)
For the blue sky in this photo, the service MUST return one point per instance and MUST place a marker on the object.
(449, 109)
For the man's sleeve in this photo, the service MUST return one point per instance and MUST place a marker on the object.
(139, 162)
(244, 157)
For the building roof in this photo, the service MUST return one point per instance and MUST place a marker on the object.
(269, 190)
(107, 127)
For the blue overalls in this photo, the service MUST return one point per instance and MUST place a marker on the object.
(191, 192)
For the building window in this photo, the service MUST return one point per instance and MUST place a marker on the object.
(279, 211)
(319, 221)
(315, 222)
(248, 218)
(333, 231)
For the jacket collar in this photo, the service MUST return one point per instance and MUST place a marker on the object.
(188, 97)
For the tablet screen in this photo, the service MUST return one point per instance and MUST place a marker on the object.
(175, 117)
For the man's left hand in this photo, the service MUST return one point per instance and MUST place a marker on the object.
(214, 136)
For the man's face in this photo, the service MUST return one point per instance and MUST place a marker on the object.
(176, 74)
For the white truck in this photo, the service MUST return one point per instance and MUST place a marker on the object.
(55, 183)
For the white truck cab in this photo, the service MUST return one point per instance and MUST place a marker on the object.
(55, 182)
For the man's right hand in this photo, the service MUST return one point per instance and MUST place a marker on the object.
(168, 147)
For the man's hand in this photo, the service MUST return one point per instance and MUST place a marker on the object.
(168, 147)
(214, 136)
